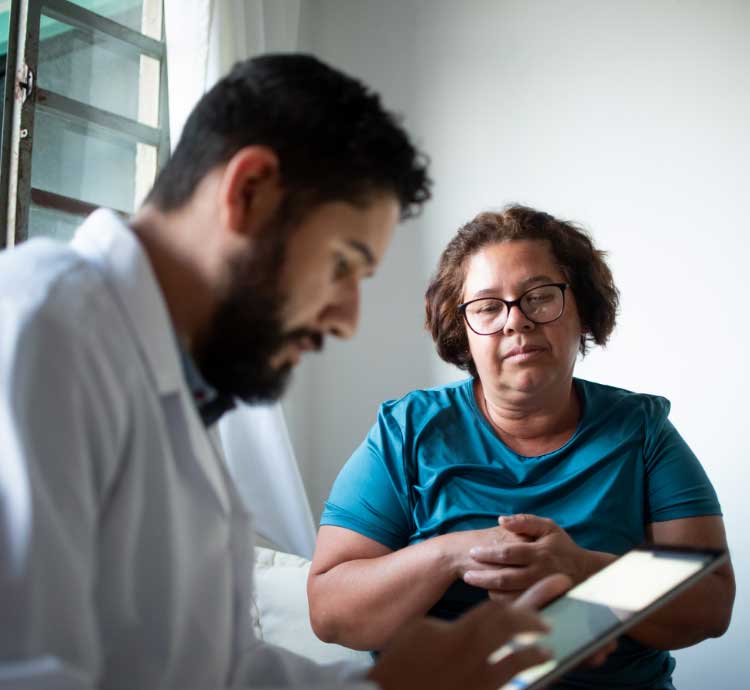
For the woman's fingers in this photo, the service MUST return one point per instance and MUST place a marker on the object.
(511, 579)
(530, 525)
(520, 553)
(499, 580)
(545, 591)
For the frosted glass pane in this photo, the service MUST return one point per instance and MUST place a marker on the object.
(83, 162)
(98, 70)
(46, 223)
(126, 12)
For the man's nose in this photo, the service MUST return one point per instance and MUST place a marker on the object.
(341, 316)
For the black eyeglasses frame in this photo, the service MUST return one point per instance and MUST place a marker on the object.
(510, 303)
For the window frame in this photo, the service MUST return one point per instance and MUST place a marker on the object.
(22, 102)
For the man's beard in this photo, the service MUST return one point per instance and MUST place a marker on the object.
(234, 356)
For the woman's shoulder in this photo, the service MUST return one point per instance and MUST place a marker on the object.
(429, 402)
(600, 398)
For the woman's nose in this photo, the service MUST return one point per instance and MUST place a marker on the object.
(517, 321)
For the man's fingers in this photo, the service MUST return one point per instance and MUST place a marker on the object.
(506, 598)
(545, 591)
(482, 650)
(512, 664)
(491, 625)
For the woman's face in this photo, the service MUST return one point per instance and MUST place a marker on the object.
(524, 358)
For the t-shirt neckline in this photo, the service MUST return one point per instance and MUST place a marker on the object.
(487, 427)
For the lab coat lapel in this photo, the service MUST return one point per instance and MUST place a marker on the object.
(106, 241)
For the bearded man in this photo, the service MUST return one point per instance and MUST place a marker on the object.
(125, 552)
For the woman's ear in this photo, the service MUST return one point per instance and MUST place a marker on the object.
(250, 190)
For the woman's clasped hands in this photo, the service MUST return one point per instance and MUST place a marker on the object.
(533, 548)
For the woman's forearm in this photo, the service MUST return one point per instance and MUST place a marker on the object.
(705, 609)
(361, 603)
(702, 611)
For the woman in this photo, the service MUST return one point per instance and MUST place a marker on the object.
(580, 472)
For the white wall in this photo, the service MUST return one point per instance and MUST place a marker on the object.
(631, 117)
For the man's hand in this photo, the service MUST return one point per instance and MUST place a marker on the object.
(436, 655)
(552, 551)
(542, 593)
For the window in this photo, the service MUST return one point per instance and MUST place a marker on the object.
(85, 117)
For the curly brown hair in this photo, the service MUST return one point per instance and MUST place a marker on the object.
(583, 265)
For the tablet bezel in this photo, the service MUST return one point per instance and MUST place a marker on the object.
(718, 557)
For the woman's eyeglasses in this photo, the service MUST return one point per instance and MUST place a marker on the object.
(541, 304)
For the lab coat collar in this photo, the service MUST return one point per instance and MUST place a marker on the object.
(105, 240)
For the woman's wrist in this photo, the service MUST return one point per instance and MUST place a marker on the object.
(593, 562)
(451, 555)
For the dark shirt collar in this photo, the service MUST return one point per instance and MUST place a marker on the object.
(210, 403)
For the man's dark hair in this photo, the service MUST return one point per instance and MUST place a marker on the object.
(582, 264)
(334, 140)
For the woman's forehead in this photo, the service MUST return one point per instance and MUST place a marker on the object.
(511, 263)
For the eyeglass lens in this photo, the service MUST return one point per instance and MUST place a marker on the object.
(540, 305)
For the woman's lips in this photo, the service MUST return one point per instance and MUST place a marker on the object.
(523, 354)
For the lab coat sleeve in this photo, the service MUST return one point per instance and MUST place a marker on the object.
(267, 666)
(63, 422)
(58, 435)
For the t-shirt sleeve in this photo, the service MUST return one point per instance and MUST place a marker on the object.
(677, 484)
(371, 493)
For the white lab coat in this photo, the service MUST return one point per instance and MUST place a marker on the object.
(125, 552)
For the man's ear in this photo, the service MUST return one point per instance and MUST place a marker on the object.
(250, 189)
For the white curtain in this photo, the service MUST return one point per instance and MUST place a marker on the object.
(204, 39)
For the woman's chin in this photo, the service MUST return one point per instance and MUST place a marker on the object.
(528, 382)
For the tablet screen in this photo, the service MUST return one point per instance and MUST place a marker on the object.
(604, 602)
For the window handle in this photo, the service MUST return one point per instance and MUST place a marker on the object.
(25, 83)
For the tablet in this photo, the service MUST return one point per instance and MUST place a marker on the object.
(599, 609)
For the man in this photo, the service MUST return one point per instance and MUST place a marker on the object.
(125, 553)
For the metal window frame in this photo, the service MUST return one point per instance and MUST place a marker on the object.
(7, 124)
(19, 111)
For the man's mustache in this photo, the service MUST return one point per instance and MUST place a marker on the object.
(315, 337)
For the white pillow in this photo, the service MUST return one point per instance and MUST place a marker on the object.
(282, 615)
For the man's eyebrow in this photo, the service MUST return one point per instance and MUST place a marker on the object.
(364, 250)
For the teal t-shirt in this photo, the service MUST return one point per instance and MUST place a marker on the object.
(432, 464)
